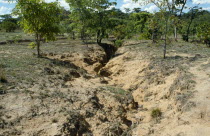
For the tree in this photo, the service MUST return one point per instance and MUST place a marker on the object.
(91, 15)
(136, 10)
(8, 26)
(6, 16)
(79, 16)
(154, 28)
(139, 20)
(204, 33)
(8, 23)
(168, 8)
(191, 15)
(127, 10)
(120, 25)
(39, 18)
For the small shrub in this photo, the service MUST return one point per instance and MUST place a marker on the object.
(2, 90)
(118, 43)
(185, 37)
(156, 113)
(54, 120)
(3, 78)
(32, 45)
(145, 36)
(115, 90)
(16, 38)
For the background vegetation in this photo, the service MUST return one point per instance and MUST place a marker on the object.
(95, 20)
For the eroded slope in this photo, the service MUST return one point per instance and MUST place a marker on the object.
(69, 92)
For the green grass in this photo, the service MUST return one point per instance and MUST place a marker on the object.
(18, 34)
(115, 90)
(175, 47)
(156, 113)
(20, 62)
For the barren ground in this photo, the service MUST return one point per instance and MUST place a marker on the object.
(74, 90)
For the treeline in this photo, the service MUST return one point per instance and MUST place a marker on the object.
(193, 25)
(96, 20)
(8, 23)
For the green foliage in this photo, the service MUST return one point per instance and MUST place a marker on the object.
(8, 26)
(145, 36)
(117, 91)
(15, 38)
(90, 16)
(118, 43)
(188, 26)
(204, 33)
(32, 45)
(156, 113)
(154, 27)
(39, 18)
(120, 32)
(139, 20)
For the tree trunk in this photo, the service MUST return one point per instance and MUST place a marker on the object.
(73, 36)
(188, 32)
(188, 28)
(175, 33)
(165, 40)
(164, 50)
(38, 49)
(38, 45)
(153, 37)
(98, 37)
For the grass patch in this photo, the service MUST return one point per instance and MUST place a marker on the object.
(156, 113)
(115, 90)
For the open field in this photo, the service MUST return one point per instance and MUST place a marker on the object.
(75, 90)
(18, 34)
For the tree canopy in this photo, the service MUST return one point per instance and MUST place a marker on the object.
(39, 18)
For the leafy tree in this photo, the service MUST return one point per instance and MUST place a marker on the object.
(191, 15)
(119, 32)
(120, 26)
(127, 10)
(204, 33)
(91, 16)
(154, 28)
(79, 16)
(168, 9)
(139, 20)
(136, 10)
(8, 23)
(8, 26)
(39, 18)
(6, 16)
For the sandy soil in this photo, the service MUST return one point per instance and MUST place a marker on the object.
(78, 92)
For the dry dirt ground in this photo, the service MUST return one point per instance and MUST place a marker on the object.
(74, 90)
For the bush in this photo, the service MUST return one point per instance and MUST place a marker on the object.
(9, 26)
(120, 32)
(3, 78)
(185, 37)
(204, 33)
(145, 36)
(16, 38)
(32, 45)
(118, 43)
(156, 113)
